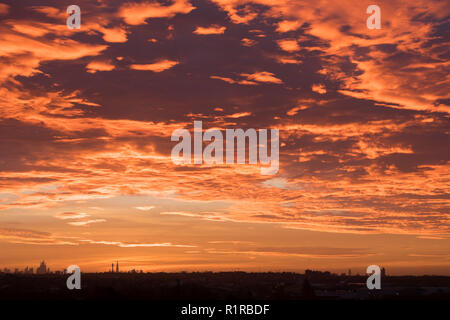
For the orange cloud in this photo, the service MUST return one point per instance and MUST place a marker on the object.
(239, 115)
(95, 66)
(239, 12)
(137, 13)
(71, 215)
(288, 25)
(159, 66)
(248, 42)
(51, 12)
(145, 208)
(4, 9)
(31, 237)
(295, 110)
(116, 34)
(378, 79)
(231, 81)
(319, 88)
(289, 45)
(214, 29)
(85, 222)
(28, 53)
(226, 79)
(262, 76)
(135, 245)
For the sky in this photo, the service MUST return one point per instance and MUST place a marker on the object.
(86, 118)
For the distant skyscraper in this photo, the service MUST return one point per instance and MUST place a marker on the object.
(117, 266)
(349, 272)
(112, 267)
(383, 272)
(42, 269)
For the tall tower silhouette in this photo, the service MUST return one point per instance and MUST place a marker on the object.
(42, 269)
(112, 267)
(117, 266)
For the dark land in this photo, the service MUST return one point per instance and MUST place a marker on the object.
(221, 286)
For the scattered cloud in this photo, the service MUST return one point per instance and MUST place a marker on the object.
(158, 66)
(135, 245)
(23, 233)
(95, 66)
(85, 222)
(319, 88)
(214, 29)
(4, 9)
(289, 45)
(231, 81)
(288, 25)
(31, 237)
(51, 12)
(248, 42)
(137, 13)
(115, 35)
(145, 208)
(239, 115)
(262, 76)
(71, 215)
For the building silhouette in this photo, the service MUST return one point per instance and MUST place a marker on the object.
(42, 269)
(117, 266)
(28, 270)
(307, 290)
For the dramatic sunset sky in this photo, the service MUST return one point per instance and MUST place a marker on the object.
(86, 117)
